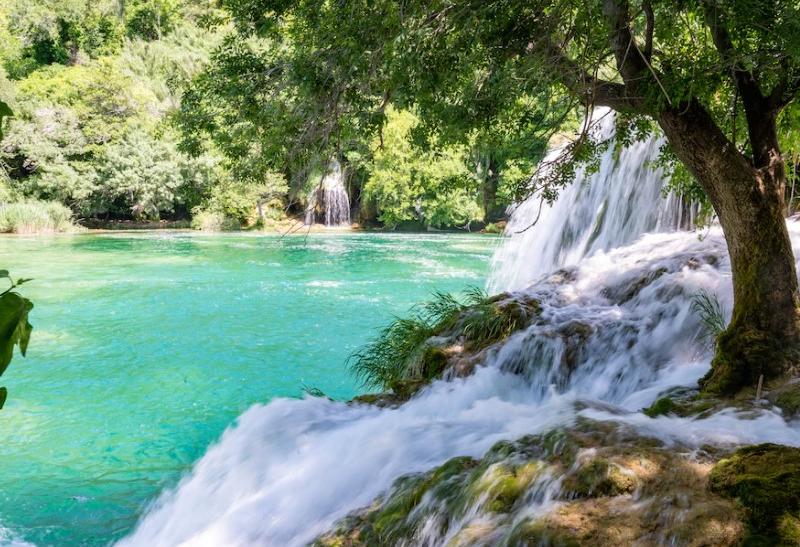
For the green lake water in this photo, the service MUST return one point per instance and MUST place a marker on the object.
(147, 346)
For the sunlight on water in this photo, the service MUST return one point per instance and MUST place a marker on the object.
(146, 346)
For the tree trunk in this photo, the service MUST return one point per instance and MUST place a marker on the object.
(763, 336)
(491, 180)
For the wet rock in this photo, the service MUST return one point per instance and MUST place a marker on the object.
(597, 483)
(765, 479)
(787, 398)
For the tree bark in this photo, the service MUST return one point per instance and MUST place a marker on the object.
(491, 181)
(763, 336)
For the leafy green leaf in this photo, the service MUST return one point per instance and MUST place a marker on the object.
(3, 396)
(14, 326)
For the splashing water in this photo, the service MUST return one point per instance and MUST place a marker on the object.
(331, 198)
(613, 206)
(615, 330)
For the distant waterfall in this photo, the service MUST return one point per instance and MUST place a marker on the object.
(601, 211)
(329, 199)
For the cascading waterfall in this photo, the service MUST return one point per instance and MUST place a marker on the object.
(611, 207)
(330, 199)
(615, 330)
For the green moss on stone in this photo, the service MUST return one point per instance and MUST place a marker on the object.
(597, 478)
(765, 479)
(661, 407)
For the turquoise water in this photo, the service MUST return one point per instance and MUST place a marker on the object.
(146, 346)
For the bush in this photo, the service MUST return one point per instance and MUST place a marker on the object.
(35, 217)
(211, 221)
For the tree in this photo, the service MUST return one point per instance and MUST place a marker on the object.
(714, 75)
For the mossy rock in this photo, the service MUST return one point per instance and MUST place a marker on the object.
(685, 402)
(765, 479)
(787, 398)
(597, 478)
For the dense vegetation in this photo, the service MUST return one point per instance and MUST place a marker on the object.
(164, 109)
(231, 112)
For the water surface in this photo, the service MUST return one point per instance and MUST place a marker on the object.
(147, 346)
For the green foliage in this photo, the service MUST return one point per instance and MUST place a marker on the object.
(398, 349)
(237, 202)
(34, 217)
(709, 310)
(150, 19)
(488, 321)
(405, 183)
(92, 135)
(15, 329)
(402, 352)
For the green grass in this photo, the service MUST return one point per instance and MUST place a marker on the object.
(35, 217)
(710, 312)
(402, 351)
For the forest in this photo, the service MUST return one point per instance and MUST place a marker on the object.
(160, 110)
(395, 273)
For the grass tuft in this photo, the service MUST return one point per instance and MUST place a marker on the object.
(710, 312)
(402, 351)
(35, 217)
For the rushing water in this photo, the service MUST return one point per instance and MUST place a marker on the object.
(599, 211)
(147, 346)
(616, 329)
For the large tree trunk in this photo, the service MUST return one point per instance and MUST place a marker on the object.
(763, 336)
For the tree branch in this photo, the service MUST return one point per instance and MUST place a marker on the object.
(647, 7)
(630, 63)
(586, 87)
(745, 80)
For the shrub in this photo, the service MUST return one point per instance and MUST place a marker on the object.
(32, 217)
(212, 221)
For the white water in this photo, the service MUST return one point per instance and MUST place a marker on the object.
(330, 198)
(601, 211)
(288, 470)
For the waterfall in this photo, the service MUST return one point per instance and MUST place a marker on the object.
(329, 199)
(616, 329)
(599, 211)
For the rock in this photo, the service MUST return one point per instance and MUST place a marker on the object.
(613, 487)
(787, 398)
(765, 479)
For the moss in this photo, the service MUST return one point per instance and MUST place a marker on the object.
(661, 407)
(433, 362)
(685, 404)
(405, 388)
(598, 477)
(501, 485)
(765, 479)
(787, 398)
(537, 532)
(743, 354)
(394, 519)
